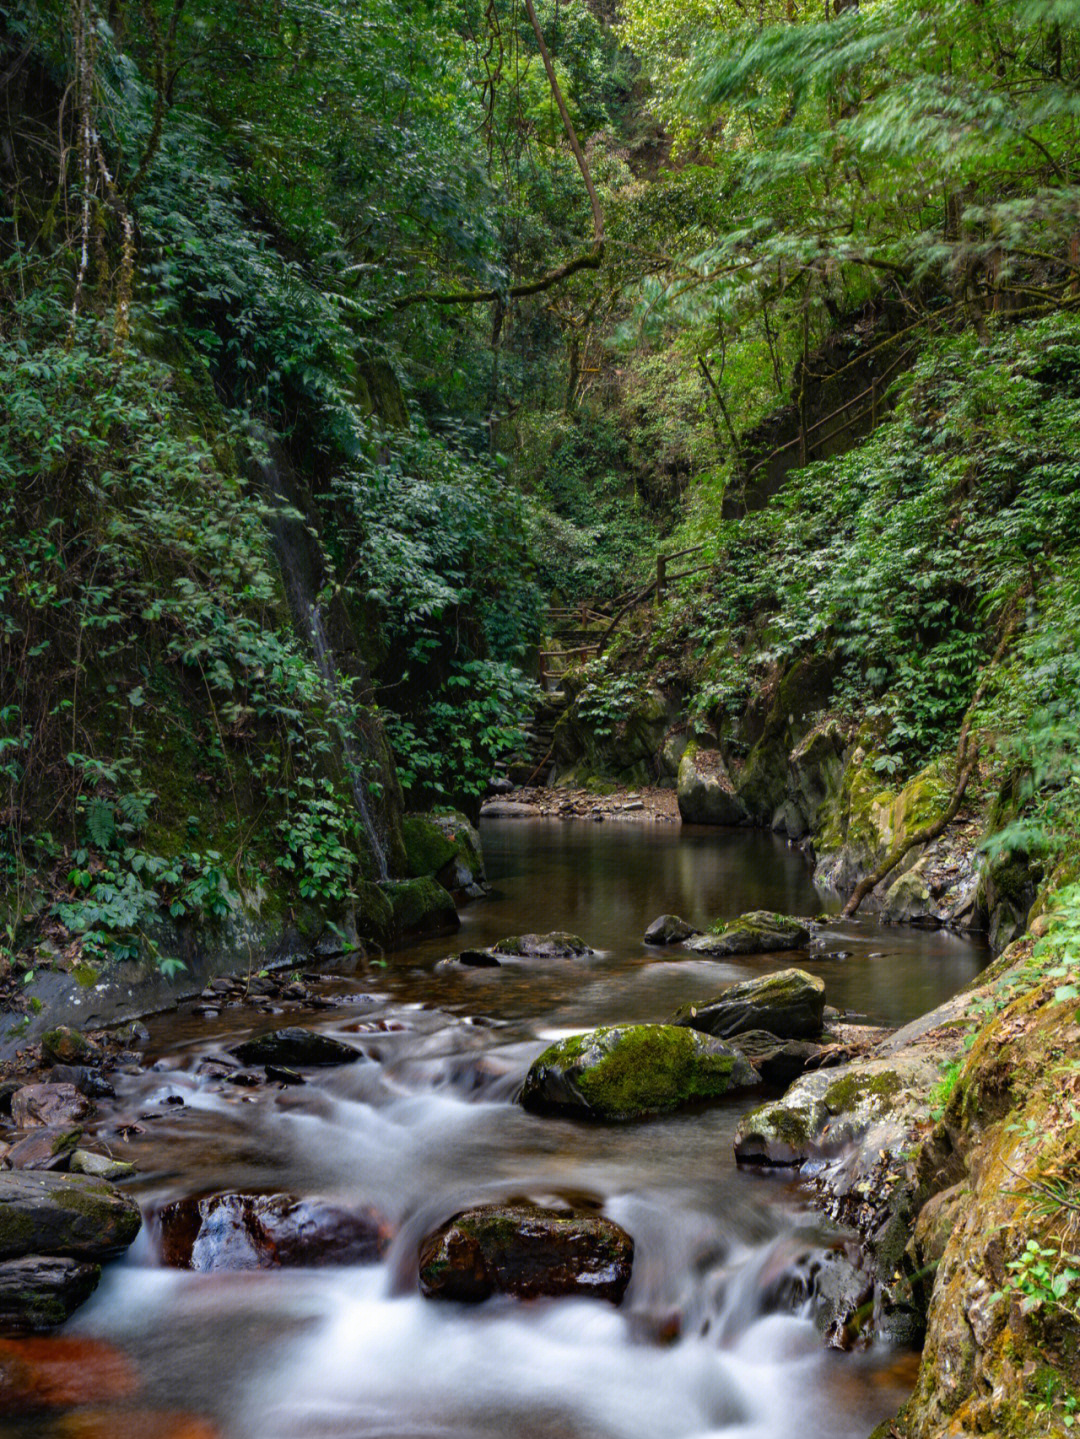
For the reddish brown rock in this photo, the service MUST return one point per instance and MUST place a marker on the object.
(43, 1149)
(266, 1231)
(55, 1373)
(54, 1106)
(526, 1251)
(133, 1424)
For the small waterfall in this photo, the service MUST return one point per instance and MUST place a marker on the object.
(324, 659)
(302, 568)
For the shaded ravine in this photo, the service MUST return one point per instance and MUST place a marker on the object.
(714, 1337)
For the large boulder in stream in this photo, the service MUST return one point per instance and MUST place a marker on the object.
(295, 1046)
(789, 1004)
(55, 1232)
(266, 1231)
(526, 1251)
(447, 847)
(71, 1215)
(706, 793)
(621, 1073)
(543, 946)
(422, 909)
(758, 932)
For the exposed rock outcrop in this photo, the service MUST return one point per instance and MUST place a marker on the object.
(706, 792)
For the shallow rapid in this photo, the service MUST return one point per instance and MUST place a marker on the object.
(713, 1337)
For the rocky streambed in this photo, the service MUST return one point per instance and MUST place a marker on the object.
(522, 1170)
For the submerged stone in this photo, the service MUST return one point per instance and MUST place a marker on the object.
(759, 932)
(526, 1251)
(789, 1004)
(621, 1073)
(295, 1046)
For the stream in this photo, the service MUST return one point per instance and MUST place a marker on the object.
(708, 1340)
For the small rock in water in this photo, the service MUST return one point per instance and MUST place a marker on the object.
(65, 1045)
(527, 1251)
(44, 1149)
(266, 1231)
(280, 1075)
(557, 945)
(100, 1166)
(669, 929)
(469, 959)
(90, 1082)
(296, 1047)
(50, 1105)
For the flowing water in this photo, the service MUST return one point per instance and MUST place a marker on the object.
(708, 1342)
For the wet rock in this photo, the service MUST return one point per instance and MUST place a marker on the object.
(706, 793)
(470, 959)
(778, 1061)
(64, 1214)
(759, 932)
(38, 1374)
(100, 1166)
(621, 1073)
(445, 846)
(507, 809)
(294, 1046)
(37, 1294)
(669, 929)
(421, 908)
(789, 1004)
(279, 1074)
(8, 1089)
(266, 1231)
(543, 946)
(90, 1082)
(43, 1149)
(50, 1105)
(526, 1251)
(65, 1045)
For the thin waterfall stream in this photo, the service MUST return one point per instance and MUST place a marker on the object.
(324, 659)
(715, 1335)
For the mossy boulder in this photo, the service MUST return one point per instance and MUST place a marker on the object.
(65, 1045)
(557, 945)
(69, 1215)
(422, 908)
(705, 789)
(445, 846)
(526, 1251)
(623, 1073)
(758, 932)
(789, 1004)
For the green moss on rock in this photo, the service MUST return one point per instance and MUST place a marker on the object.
(616, 1073)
